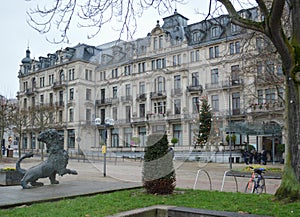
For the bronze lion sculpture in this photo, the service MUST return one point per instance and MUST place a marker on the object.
(55, 164)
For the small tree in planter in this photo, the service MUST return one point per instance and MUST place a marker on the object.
(174, 141)
(158, 170)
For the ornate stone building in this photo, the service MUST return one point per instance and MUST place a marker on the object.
(154, 84)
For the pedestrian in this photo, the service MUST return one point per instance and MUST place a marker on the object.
(264, 157)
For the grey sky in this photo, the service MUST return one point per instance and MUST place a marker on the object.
(16, 36)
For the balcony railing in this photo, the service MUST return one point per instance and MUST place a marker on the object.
(195, 88)
(158, 95)
(141, 97)
(59, 85)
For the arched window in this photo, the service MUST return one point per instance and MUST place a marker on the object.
(160, 84)
(61, 76)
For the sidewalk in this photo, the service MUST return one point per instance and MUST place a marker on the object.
(120, 174)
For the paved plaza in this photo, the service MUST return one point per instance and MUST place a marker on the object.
(122, 174)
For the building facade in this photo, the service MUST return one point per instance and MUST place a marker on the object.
(155, 85)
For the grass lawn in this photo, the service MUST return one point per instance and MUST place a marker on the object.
(112, 203)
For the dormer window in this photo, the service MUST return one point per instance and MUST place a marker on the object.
(215, 31)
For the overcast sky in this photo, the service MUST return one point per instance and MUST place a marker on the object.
(16, 35)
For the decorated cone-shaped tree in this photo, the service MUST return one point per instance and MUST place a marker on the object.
(158, 170)
(204, 122)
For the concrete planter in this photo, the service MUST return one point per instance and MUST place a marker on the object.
(10, 177)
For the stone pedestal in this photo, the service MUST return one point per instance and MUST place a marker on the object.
(10, 177)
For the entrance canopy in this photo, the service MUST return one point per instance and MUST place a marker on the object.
(255, 128)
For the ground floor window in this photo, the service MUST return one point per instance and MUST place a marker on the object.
(127, 136)
(177, 133)
(115, 138)
(71, 138)
(142, 135)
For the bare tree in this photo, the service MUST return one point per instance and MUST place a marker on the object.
(60, 15)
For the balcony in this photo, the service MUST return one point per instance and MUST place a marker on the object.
(224, 84)
(127, 98)
(60, 104)
(195, 88)
(104, 102)
(141, 97)
(176, 92)
(266, 107)
(59, 85)
(30, 91)
(158, 95)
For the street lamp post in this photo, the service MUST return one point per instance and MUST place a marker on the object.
(229, 125)
(108, 122)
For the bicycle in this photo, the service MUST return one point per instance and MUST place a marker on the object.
(256, 183)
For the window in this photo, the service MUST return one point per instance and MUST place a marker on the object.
(114, 73)
(88, 94)
(51, 79)
(115, 92)
(25, 103)
(279, 70)
(177, 60)
(270, 68)
(158, 64)
(127, 136)
(192, 56)
(160, 84)
(161, 42)
(102, 76)
(197, 53)
(142, 87)
(234, 47)
(88, 115)
(235, 28)
(236, 103)
(42, 99)
(155, 43)
(115, 113)
(214, 76)
(71, 115)
(177, 106)
(215, 102)
(196, 36)
(214, 52)
(128, 114)
(88, 75)
(127, 70)
(177, 133)
(160, 107)
(127, 90)
(51, 98)
(215, 31)
(60, 116)
(196, 107)
(42, 82)
(177, 82)
(195, 79)
(71, 93)
(71, 74)
(270, 96)
(260, 97)
(61, 98)
(142, 67)
(142, 110)
(235, 74)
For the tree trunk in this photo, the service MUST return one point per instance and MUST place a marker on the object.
(290, 185)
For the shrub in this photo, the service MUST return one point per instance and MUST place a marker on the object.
(158, 170)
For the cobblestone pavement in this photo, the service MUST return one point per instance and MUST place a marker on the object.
(121, 174)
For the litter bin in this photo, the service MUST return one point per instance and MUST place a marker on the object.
(10, 152)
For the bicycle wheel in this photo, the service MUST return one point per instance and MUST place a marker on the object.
(249, 187)
(261, 186)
